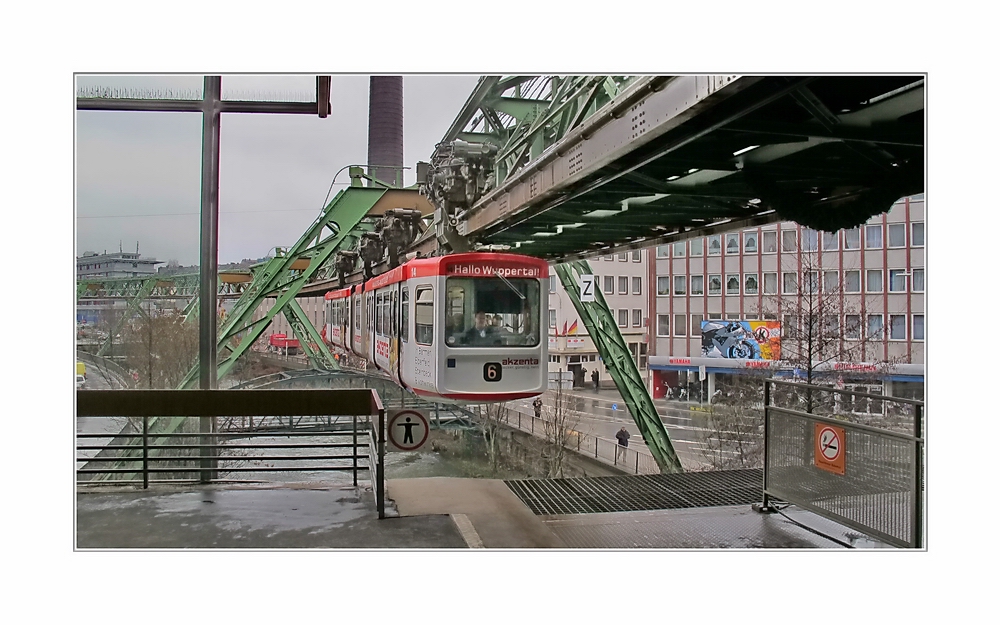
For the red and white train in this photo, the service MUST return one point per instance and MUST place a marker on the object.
(458, 328)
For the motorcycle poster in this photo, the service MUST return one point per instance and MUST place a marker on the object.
(749, 340)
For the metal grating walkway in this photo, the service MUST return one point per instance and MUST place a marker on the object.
(583, 495)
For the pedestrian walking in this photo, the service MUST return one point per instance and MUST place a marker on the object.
(622, 435)
(537, 404)
(596, 377)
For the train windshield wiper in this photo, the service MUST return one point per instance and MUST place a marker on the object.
(507, 282)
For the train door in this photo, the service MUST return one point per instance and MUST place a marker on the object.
(394, 333)
(358, 329)
(406, 353)
(424, 354)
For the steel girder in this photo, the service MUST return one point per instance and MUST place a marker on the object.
(281, 278)
(310, 340)
(525, 115)
(603, 329)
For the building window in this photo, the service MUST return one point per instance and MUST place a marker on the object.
(636, 317)
(715, 316)
(662, 251)
(770, 283)
(679, 248)
(918, 327)
(852, 327)
(662, 285)
(623, 317)
(610, 258)
(831, 325)
(918, 281)
(697, 285)
(897, 280)
(680, 285)
(831, 241)
(831, 281)
(609, 285)
(732, 284)
(769, 241)
(733, 243)
(623, 285)
(636, 286)
(917, 234)
(789, 326)
(810, 240)
(552, 284)
(852, 281)
(714, 284)
(662, 325)
(733, 317)
(852, 239)
(750, 284)
(552, 317)
(750, 242)
(873, 237)
(897, 235)
(696, 325)
(714, 245)
(698, 247)
(789, 241)
(873, 281)
(789, 286)
(897, 327)
(680, 325)
(636, 256)
(812, 282)
(874, 330)
(623, 257)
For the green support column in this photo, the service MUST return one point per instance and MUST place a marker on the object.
(305, 332)
(343, 217)
(607, 337)
(134, 305)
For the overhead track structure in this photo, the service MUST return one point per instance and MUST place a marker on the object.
(586, 165)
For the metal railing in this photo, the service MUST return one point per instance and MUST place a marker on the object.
(863, 472)
(160, 441)
(604, 449)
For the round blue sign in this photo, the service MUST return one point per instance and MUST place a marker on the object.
(614, 406)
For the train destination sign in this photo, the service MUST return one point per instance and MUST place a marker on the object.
(489, 269)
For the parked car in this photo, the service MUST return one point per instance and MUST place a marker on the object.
(80, 381)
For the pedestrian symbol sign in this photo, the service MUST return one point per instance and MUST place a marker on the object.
(407, 429)
(831, 450)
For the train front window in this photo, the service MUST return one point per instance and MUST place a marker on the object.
(485, 312)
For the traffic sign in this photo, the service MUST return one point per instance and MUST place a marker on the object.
(407, 429)
(830, 443)
(588, 292)
(614, 406)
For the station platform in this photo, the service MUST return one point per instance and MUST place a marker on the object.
(438, 513)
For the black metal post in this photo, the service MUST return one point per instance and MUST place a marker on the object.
(767, 429)
(380, 470)
(145, 452)
(918, 478)
(354, 453)
(209, 260)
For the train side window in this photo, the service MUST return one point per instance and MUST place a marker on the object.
(405, 315)
(394, 315)
(378, 315)
(424, 315)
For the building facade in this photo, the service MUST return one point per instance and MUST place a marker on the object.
(864, 286)
(623, 281)
(107, 266)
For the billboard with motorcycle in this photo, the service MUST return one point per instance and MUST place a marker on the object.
(754, 340)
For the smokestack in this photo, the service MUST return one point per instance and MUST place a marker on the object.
(385, 128)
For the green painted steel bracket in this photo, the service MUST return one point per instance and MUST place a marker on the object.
(341, 216)
(134, 305)
(320, 357)
(608, 338)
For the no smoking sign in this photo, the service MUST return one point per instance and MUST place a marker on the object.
(830, 448)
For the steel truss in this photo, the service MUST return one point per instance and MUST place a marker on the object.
(603, 329)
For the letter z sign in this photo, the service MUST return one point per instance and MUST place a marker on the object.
(587, 293)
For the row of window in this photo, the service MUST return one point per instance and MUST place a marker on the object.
(792, 283)
(636, 256)
(873, 328)
(609, 284)
(812, 241)
(622, 316)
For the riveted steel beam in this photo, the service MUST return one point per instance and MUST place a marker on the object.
(603, 330)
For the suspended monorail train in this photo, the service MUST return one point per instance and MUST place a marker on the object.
(462, 328)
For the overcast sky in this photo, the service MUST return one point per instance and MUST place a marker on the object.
(138, 173)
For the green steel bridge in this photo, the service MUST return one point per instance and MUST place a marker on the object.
(567, 168)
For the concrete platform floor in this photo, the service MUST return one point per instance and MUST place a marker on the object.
(427, 513)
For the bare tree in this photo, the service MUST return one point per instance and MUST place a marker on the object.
(161, 348)
(492, 418)
(559, 427)
(735, 435)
